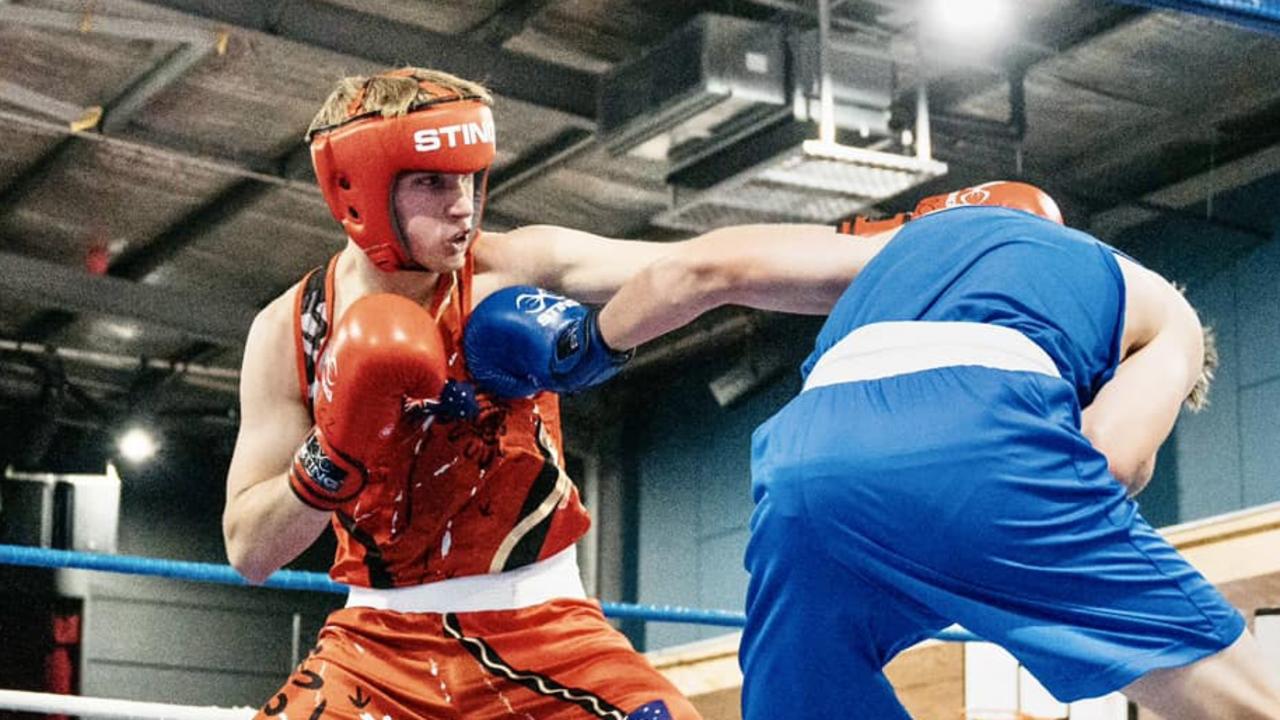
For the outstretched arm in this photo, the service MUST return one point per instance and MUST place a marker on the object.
(788, 268)
(566, 347)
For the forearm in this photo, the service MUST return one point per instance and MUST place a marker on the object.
(1128, 434)
(1125, 463)
(1144, 472)
(786, 268)
(266, 526)
(666, 295)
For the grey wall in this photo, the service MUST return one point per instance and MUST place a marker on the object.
(691, 462)
(164, 640)
(1226, 457)
(182, 642)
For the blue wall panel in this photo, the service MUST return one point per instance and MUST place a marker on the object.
(1260, 442)
(1208, 443)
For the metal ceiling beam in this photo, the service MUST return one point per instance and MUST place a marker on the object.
(510, 20)
(175, 152)
(149, 256)
(89, 22)
(1257, 16)
(114, 361)
(166, 72)
(1111, 157)
(388, 42)
(194, 45)
(70, 113)
(116, 113)
(561, 148)
(1186, 193)
(202, 316)
(179, 235)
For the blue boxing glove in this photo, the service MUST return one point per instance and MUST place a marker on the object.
(522, 340)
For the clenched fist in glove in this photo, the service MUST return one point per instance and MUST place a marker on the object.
(522, 340)
(381, 376)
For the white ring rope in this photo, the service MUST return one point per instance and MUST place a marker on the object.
(93, 707)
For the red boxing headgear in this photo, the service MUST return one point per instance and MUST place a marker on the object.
(358, 161)
(999, 193)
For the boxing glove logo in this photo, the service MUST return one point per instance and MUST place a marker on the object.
(970, 196)
(432, 139)
(319, 468)
(547, 306)
(328, 375)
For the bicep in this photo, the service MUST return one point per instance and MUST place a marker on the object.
(788, 268)
(273, 419)
(581, 265)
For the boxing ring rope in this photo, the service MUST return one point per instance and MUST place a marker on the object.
(298, 580)
(24, 556)
(95, 707)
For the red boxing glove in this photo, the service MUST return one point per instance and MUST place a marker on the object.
(999, 193)
(386, 354)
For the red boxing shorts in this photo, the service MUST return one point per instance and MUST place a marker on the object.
(558, 660)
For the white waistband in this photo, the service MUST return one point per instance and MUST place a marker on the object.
(881, 350)
(545, 580)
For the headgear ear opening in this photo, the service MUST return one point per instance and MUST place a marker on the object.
(357, 163)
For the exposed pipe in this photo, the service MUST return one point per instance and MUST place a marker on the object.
(195, 45)
(224, 167)
(1261, 17)
(117, 362)
(826, 95)
(923, 138)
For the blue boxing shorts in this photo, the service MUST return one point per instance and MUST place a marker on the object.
(938, 475)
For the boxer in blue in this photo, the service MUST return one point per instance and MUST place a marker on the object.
(983, 401)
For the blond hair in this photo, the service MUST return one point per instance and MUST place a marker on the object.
(1198, 398)
(392, 93)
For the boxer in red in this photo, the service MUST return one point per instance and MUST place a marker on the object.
(455, 520)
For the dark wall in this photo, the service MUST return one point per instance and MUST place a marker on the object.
(1228, 257)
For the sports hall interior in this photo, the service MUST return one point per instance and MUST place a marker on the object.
(156, 193)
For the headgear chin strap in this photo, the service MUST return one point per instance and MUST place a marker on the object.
(357, 164)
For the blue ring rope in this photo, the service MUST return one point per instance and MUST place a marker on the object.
(319, 582)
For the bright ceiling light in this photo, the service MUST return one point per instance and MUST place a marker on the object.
(968, 21)
(136, 445)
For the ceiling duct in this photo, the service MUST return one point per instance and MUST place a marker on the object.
(715, 80)
(733, 108)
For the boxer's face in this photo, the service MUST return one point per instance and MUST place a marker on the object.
(435, 212)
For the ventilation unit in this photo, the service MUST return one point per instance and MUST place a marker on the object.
(732, 108)
(710, 83)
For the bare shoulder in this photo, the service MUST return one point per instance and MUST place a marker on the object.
(519, 256)
(269, 365)
(1152, 305)
(274, 323)
(497, 260)
(508, 252)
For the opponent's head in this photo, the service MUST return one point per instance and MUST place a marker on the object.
(998, 193)
(375, 133)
